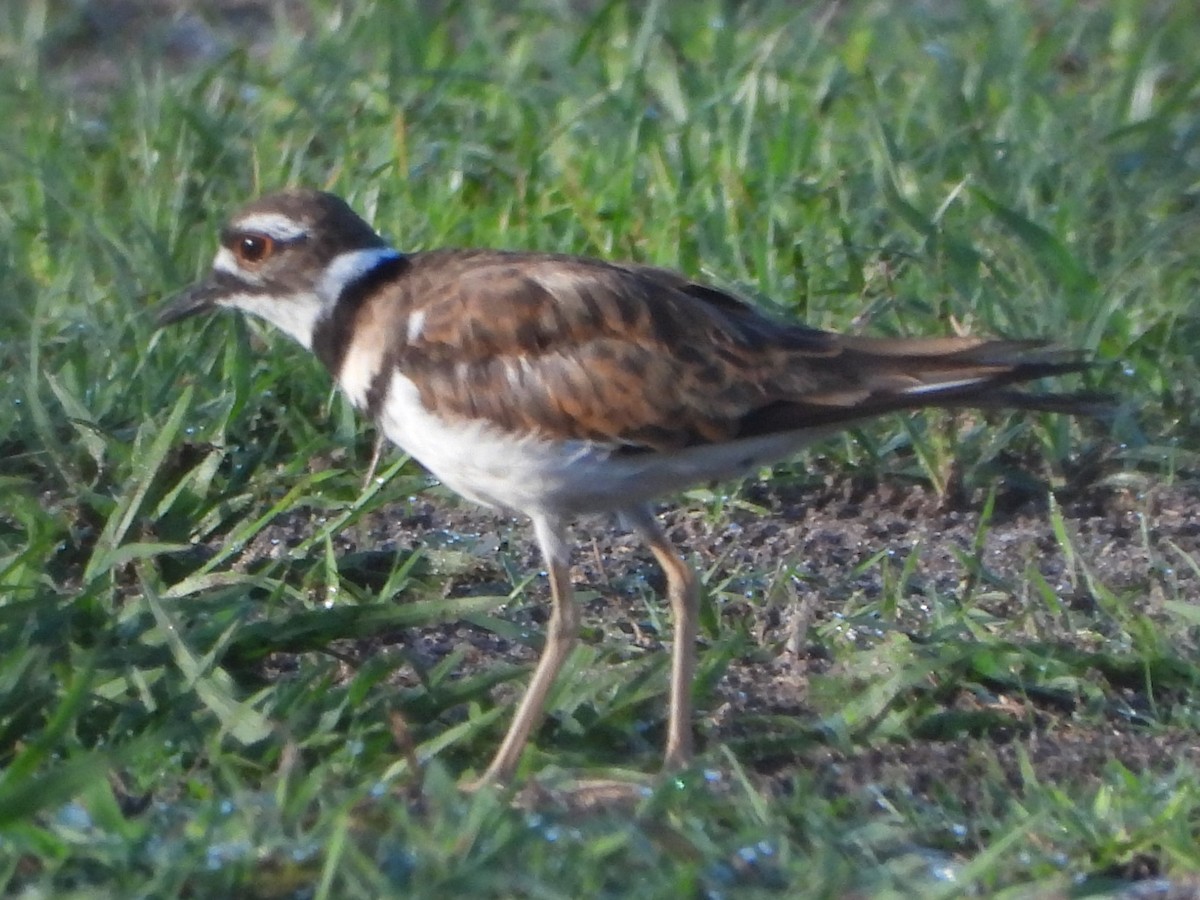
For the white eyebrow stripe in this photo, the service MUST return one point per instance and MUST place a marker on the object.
(276, 225)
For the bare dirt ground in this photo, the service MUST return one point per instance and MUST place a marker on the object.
(801, 546)
(789, 560)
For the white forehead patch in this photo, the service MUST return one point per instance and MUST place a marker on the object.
(276, 225)
(226, 262)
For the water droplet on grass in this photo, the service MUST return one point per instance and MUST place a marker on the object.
(75, 817)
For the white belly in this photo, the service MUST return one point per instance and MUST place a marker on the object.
(562, 478)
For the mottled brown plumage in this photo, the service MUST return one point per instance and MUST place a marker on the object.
(555, 385)
(572, 348)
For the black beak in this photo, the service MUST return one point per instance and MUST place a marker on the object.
(200, 297)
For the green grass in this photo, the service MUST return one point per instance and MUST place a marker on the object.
(176, 721)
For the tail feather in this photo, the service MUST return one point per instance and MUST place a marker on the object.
(888, 375)
(1034, 358)
(1093, 404)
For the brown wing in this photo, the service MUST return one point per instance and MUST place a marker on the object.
(642, 357)
(575, 348)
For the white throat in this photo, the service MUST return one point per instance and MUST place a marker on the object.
(297, 315)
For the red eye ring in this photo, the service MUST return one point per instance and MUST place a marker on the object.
(251, 247)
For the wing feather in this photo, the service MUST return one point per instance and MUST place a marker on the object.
(642, 358)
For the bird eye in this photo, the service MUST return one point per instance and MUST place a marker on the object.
(252, 248)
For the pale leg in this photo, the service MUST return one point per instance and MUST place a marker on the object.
(683, 591)
(561, 634)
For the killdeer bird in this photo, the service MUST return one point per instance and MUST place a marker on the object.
(555, 385)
